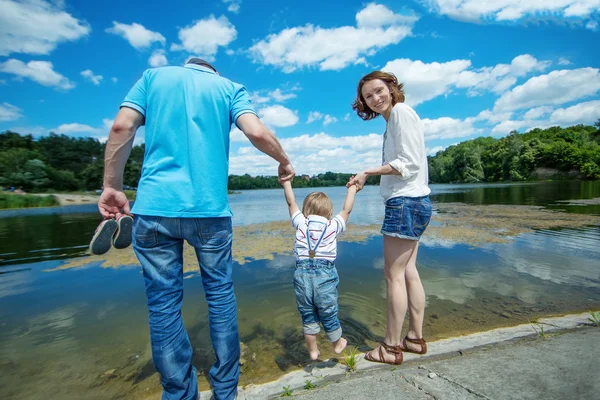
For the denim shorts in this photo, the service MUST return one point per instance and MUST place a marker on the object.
(315, 283)
(406, 217)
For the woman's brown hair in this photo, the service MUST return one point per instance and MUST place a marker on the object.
(396, 90)
(317, 203)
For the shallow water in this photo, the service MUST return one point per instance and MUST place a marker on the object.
(82, 332)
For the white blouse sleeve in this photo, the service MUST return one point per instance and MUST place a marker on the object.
(404, 128)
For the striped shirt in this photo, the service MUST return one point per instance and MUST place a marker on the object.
(311, 228)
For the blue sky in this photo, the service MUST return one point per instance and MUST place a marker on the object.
(470, 68)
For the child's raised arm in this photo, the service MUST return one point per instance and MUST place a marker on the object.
(289, 197)
(348, 203)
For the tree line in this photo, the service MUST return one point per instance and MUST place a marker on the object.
(518, 157)
(64, 163)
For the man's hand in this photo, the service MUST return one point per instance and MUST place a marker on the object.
(285, 173)
(112, 202)
(358, 180)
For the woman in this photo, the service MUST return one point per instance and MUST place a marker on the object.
(404, 187)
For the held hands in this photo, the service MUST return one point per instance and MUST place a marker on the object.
(285, 173)
(358, 180)
(112, 202)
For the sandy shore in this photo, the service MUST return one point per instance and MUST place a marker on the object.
(76, 199)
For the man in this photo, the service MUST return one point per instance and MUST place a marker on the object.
(182, 195)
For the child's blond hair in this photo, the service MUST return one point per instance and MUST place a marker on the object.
(317, 203)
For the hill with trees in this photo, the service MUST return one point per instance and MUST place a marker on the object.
(517, 157)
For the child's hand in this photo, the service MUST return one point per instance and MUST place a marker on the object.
(353, 185)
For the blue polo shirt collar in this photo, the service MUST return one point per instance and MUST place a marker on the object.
(200, 68)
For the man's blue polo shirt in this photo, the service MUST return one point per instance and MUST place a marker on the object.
(188, 115)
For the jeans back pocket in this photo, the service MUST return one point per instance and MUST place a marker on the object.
(145, 231)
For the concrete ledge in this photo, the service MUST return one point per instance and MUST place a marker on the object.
(329, 371)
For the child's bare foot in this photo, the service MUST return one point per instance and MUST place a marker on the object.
(340, 345)
(314, 355)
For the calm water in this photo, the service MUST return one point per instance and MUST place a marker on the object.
(83, 333)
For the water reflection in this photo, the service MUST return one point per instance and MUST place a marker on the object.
(83, 333)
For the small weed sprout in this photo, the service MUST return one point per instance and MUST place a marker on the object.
(538, 327)
(309, 385)
(595, 318)
(287, 392)
(351, 359)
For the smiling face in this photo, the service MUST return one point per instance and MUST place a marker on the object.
(376, 94)
(377, 97)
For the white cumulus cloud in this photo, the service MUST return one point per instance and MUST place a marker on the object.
(89, 75)
(499, 78)
(376, 15)
(8, 112)
(333, 48)
(36, 27)
(329, 119)
(512, 10)
(278, 116)
(158, 59)
(41, 72)
(137, 35)
(280, 96)
(581, 113)
(537, 112)
(424, 81)
(205, 36)
(314, 116)
(449, 128)
(234, 5)
(313, 154)
(74, 128)
(557, 87)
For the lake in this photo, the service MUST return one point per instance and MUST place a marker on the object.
(82, 332)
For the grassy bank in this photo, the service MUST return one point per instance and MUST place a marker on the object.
(10, 200)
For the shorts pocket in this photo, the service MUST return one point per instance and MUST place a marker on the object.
(393, 217)
(420, 220)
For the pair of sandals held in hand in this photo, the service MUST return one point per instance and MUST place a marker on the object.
(396, 351)
(112, 232)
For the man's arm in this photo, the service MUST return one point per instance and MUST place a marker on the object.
(264, 140)
(290, 198)
(348, 203)
(120, 140)
(118, 146)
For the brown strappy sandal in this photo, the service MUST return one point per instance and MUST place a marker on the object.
(420, 342)
(395, 350)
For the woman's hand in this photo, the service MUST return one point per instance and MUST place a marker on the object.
(358, 180)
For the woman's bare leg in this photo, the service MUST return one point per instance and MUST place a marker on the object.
(416, 300)
(397, 254)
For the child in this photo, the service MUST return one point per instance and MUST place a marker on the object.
(315, 277)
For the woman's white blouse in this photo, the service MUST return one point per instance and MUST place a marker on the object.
(404, 150)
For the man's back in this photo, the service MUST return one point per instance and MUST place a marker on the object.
(188, 115)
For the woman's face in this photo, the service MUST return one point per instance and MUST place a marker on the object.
(377, 96)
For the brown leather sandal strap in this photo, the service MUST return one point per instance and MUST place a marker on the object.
(391, 349)
(420, 341)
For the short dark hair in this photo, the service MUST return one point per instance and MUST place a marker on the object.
(199, 61)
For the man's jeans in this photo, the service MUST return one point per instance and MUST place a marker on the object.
(158, 244)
